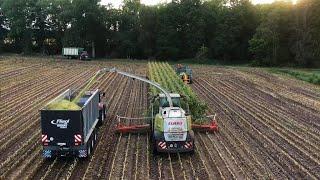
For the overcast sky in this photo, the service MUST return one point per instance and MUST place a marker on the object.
(116, 3)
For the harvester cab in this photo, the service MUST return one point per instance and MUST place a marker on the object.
(184, 72)
(176, 102)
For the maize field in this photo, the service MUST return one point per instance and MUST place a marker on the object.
(269, 125)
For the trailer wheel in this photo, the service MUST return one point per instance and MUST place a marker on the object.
(104, 112)
(92, 145)
(95, 136)
(89, 150)
(100, 118)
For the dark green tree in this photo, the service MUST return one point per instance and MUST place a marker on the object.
(236, 26)
(129, 28)
(306, 39)
(181, 29)
(3, 29)
(20, 15)
(271, 43)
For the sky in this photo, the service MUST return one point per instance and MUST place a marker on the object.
(116, 3)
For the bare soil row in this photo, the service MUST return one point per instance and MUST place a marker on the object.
(267, 129)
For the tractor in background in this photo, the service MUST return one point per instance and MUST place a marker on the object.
(184, 72)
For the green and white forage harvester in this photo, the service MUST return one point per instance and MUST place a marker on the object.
(170, 121)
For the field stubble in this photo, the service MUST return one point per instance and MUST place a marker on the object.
(264, 130)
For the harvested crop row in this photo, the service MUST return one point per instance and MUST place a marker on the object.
(295, 93)
(229, 121)
(217, 89)
(249, 145)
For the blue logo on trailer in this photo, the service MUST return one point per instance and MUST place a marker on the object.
(82, 153)
(47, 153)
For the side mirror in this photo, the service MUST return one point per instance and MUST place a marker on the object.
(104, 94)
(187, 114)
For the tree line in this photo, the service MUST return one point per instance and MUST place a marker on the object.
(230, 31)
